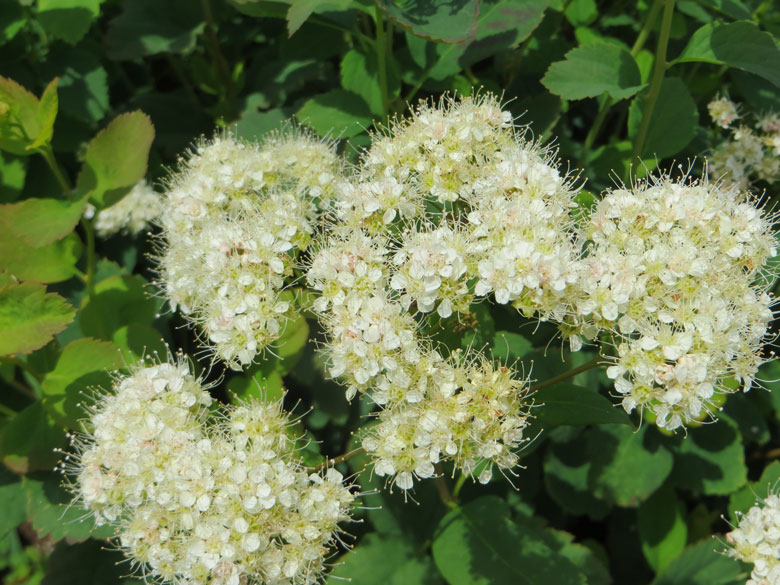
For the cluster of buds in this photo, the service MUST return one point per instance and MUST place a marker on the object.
(756, 540)
(130, 215)
(200, 497)
(234, 218)
(751, 152)
(674, 272)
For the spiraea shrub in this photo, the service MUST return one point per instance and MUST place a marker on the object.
(440, 293)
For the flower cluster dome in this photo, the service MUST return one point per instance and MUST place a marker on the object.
(200, 498)
(235, 216)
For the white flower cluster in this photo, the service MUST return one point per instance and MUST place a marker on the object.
(234, 217)
(751, 153)
(723, 111)
(756, 540)
(432, 408)
(205, 499)
(674, 270)
(131, 214)
(451, 205)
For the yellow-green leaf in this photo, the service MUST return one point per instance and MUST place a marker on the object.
(29, 317)
(116, 158)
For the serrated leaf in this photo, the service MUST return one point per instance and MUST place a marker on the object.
(702, 564)
(674, 122)
(40, 222)
(149, 27)
(29, 440)
(50, 263)
(711, 459)
(739, 44)
(567, 404)
(68, 20)
(626, 466)
(338, 113)
(29, 317)
(662, 528)
(116, 158)
(20, 122)
(501, 24)
(479, 544)
(592, 70)
(437, 20)
(83, 364)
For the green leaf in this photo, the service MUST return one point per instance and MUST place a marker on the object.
(40, 222)
(11, 20)
(119, 301)
(581, 12)
(741, 45)
(742, 500)
(54, 514)
(116, 158)
(359, 74)
(509, 346)
(68, 20)
(149, 27)
(47, 114)
(12, 502)
(25, 122)
(28, 441)
(83, 364)
(501, 24)
(83, 87)
(592, 70)
(29, 317)
(385, 560)
(674, 123)
(626, 466)
(702, 564)
(50, 263)
(479, 544)
(13, 171)
(593, 570)
(567, 404)
(567, 468)
(138, 340)
(438, 20)
(711, 459)
(338, 113)
(759, 93)
(662, 528)
(301, 10)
